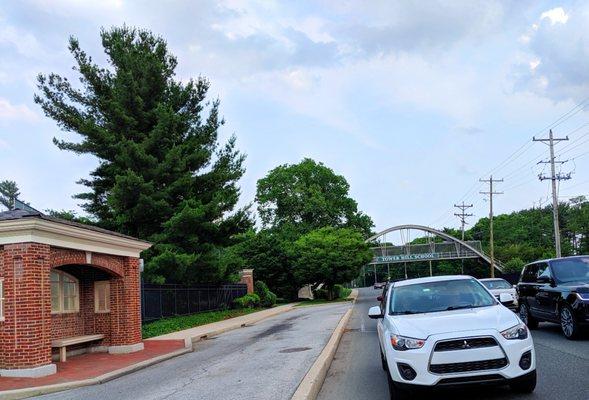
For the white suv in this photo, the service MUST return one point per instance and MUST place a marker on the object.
(450, 330)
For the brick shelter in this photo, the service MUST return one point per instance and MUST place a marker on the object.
(63, 280)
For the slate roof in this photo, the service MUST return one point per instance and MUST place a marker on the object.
(22, 214)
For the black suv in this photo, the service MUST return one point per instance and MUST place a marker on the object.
(557, 291)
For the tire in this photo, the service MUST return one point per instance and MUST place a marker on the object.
(385, 365)
(526, 317)
(524, 385)
(568, 324)
(396, 392)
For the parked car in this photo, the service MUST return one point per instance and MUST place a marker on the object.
(448, 331)
(556, 290)
(379, 285)
(499, 285)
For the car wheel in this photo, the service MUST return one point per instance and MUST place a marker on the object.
(569, 326)
(396, 392)
(524, 385)
(383, 360)
(526, 317)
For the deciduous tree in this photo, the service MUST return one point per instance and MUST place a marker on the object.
(306, 196)
(330, 255)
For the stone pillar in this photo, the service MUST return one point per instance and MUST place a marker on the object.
(126, 310)
(25, 333)
(247, 277)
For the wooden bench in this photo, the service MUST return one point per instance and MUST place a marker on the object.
(63, 343)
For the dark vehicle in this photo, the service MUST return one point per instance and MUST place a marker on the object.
(556, 290)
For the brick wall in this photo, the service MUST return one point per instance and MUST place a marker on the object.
(25, 335)
(29, 327)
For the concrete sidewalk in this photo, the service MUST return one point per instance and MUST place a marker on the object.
(96, 368)
(193, 335)
(91, 369)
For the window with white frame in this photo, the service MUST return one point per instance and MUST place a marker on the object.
(101, 296)
(65, 293)
(1, 299)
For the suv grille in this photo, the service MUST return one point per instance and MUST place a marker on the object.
(468, 366)
(465, 344)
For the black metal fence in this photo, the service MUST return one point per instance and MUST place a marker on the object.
(160, 301)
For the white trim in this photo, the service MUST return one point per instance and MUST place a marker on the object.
(38, 230)
(35, 372)
(126, 348)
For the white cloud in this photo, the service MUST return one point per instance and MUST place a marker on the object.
(9, 111)
(556, 61)
(24, 42)
(555, 16)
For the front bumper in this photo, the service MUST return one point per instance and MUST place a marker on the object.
(422, 359)
(460, 382)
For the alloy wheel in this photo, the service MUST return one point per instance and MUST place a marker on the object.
(566, 322)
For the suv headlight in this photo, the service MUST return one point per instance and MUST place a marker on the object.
(519, 331)
(583, 296)
(403, 343)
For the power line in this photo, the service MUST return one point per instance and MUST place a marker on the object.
(521, 150)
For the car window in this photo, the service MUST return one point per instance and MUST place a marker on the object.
(544, 271)
(497, 284)
(541, 268)
(439, 296)
(529, 274)
(571, 270)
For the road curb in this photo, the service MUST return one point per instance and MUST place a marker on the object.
(311, 384)
(40, 390)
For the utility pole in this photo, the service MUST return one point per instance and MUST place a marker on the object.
(490, 181)
(554, 177)
(462, 215)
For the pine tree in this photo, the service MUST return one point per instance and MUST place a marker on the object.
(8, 193)
(162, 176)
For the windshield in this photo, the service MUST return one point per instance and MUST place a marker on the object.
(497, 284)
(439, 296)
(571, 270)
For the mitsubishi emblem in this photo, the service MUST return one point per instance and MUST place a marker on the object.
(465, 345)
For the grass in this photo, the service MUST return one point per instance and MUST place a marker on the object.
(174, 324)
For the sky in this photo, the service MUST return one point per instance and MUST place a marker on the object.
(413, 102)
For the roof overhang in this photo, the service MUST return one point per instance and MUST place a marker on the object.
(37, 230)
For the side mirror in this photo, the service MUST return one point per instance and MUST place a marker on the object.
(506, 299)
(375, 312)
(379, 298)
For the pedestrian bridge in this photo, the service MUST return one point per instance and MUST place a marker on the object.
(395, 245)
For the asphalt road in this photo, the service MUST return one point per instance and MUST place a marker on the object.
(355, 373)
(264, 361)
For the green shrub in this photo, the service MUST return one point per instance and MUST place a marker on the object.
(320, 294)
(250, 300)
(338, 291)
(267, 298)
(514, 265)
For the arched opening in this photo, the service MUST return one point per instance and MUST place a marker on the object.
(82, 298)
